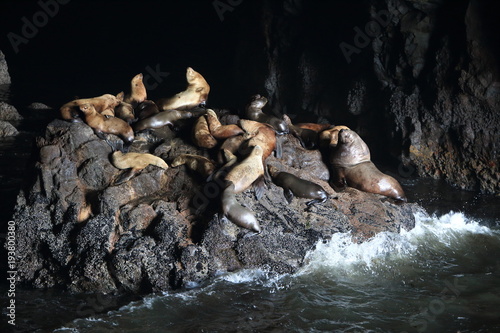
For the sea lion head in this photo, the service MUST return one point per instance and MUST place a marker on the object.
(346, 136)
(258, 101)
(273, 171)
(350, 150)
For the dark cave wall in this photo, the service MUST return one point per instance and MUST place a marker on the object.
(419, 80)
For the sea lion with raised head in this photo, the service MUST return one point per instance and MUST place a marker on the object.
(218, 130)
(195, 94)
(293, 185)
(138, 92)
(352, 166)
(236, 213)
(162, 119)
(254, 112)
(104, 104)
(111, 125)
(134, 162)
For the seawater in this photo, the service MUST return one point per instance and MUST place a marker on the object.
(442, 276)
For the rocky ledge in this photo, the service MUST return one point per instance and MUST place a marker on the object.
(161, 230)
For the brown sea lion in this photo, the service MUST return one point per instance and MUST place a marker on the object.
(134, 162)
(162, 119)
(195, 94)
(232, 145)
(352, 166)
(146, 109)
(260, 134)
(329, 137)
(307, 137)
(314, 126)
(247, 172)
(197, 163)
(104, 104)
(124, 110)
(101, 124)
(293, 185)
(137, 91)
(236, 213)
(218, 130)
(254, 112)
(201, 134)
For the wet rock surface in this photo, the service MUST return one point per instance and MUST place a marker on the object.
(162, 229)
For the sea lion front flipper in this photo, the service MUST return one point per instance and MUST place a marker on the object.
(125, 176)
(259, 187)
(288, 195)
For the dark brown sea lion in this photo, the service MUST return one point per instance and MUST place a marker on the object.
(254, 112)
(104, 104)
(352, 166)
(195, 94)
(137, 91)
(102, 124)
(218, 130)
(161, 119)
(293, 185)
(146, 109)
(236, 213)
(232, 145)
(201, 134)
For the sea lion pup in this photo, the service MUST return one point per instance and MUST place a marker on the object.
(218, 130)
(293, 185)
(232, 145)
(261, 134)
(101, 124)
(124, 110)
(201, 134)
(254, 112)
(104, 104)
(247, 172)
(352, 166)
(146, 109)
(329, 137)
(137, 91)
(197, 163)
(236, 213)
(307, 137)
(161, 119)
(134, 162)
(195, 94)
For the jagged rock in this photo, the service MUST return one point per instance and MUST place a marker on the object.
(4, 71)
(7, 129)
(162, 229)
(9, 112)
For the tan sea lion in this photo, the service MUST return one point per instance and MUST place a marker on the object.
(137, 91)
(104, 104)
(254, 112)
(146, 109)
(135, 162)
(197, 163)
(101, 124)
(247, 172)
(195, 94)
(201, 134)
(162, 119)
(293, 185)
(329, 137)
(218, 130)
(236, 213)
(352, 166)
(260, 134)
(124, 110)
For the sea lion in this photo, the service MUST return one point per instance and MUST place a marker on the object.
(232, 145)
(247, 172)
(329, 137)
(135, 162)
(352, 166)
(146, 109)
(201, 134)
(196, 163)
(308, 138)
(161, 119)
(314, 126)
(195, 94)
(254, 112)
(103, 104)
(124, 110)
(236, 213)
(101, 124)
(293, 185)
(137, 91)
(260, 134)
(218, 130)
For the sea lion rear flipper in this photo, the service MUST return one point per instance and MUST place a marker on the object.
(288, 195)
(259, 187)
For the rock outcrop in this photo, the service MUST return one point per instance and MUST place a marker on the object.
(4, 70)
(161, 229)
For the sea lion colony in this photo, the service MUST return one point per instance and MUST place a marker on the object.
(242, 148)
